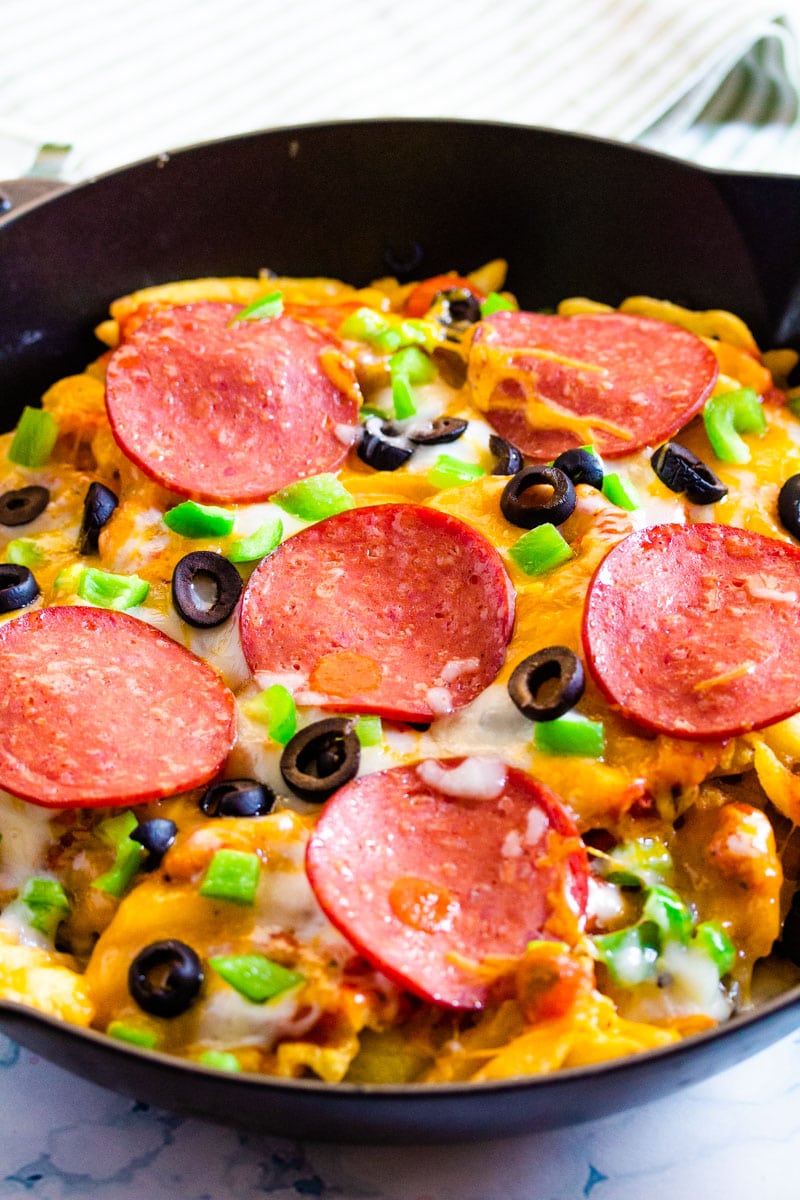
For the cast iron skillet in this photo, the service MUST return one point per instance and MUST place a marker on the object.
(573, 215)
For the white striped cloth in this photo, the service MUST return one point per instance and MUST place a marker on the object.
(716, 81)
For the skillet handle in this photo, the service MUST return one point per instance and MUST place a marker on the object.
(14, 193)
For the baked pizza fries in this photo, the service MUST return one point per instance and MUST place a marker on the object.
(397, 686)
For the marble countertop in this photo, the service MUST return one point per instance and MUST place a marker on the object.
(736, 1135)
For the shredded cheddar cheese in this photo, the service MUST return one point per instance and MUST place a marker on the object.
(722, 809)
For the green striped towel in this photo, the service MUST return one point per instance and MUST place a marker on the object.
(745, 117)
(711, 80)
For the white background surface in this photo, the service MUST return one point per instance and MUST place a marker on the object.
(120, 80)
(736, 1137)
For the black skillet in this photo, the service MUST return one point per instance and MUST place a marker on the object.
(573, 215)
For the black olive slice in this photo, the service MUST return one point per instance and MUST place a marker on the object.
(205, 588)
(23, 505)
(237, 798)
(547, 684)
(704, 487)
(156, 835)
(18, 588)
(463, 306)
(509, 458)
(438, 431)
(382, 447)
(321, 758)
(549, 510)
(165, 978)
(457, 306)
(789, 505)
(582, 467)
(669, 463)
(98, 506)
(681, 471)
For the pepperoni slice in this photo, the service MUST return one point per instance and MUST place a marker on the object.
(615, 380)
(227, 411)
(430, 870)
(98, 708)
(692, 630)
(393, 609)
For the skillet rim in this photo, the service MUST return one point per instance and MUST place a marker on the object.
(764, 1018)
(163, 157)
(736, 1024)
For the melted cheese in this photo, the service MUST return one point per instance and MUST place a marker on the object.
(477, 778)
(489, 734)
(228, 1019)
(26, 836)
(688, 986)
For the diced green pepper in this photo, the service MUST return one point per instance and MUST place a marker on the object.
(262, 309)
(363, 325)
(116, 831)
(641, 862)
(367, 325)
(68, 579)
(259, 544)
(630, 954)
(220, 1060)
(403, 398)
(47, 903)
(495, 302)
(112, 591)
(254, 976)
(388, 340)
(275, 708)
(315, 498)
(387, 332)
(620, 491)
(571, 734)
(448, 472)
(232, 875)
(369, 730)
(193, 520)
(726, 417)
(665, 909)
(715, 943)
(24, 552)
(34, 439)
(403, 333)
(412, 364)
(408, 368)
(540, 550)
(44, 893)
(115, 882)
(129, 1033)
